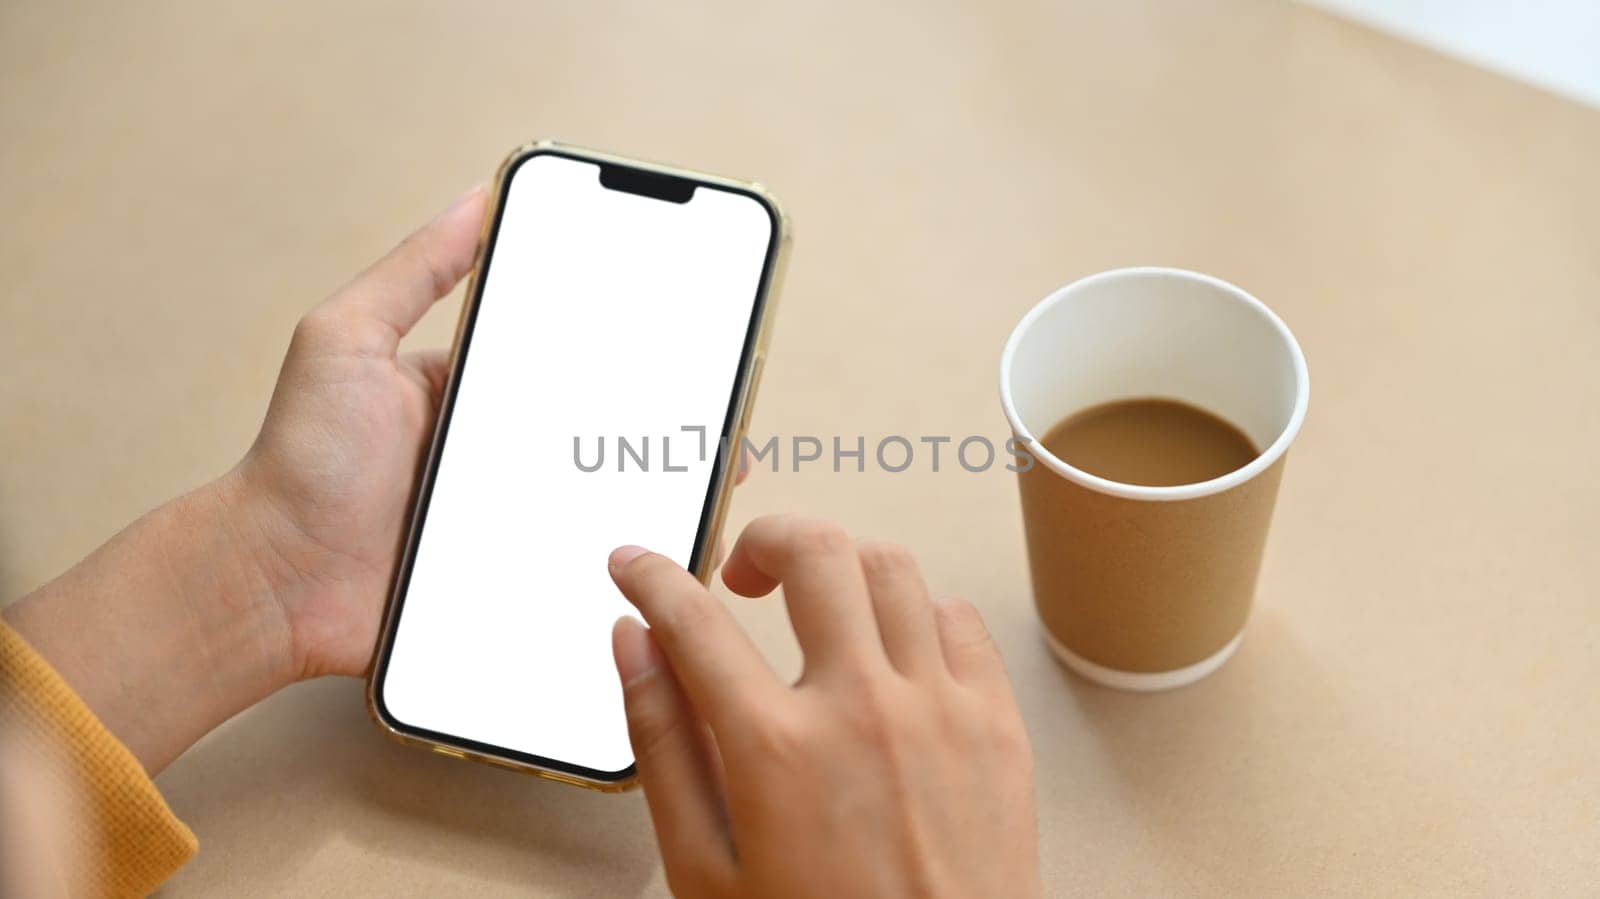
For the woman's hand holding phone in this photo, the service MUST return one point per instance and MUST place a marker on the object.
(279, 569)
(898, 764)
(334, 464)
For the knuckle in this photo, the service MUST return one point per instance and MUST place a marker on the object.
(882, 713)
(887, 557)
(325, 329)
(688, 612)
(882, 732)
(1004, 726)
(652, 721)
(777, 739)
(419, 257)
(1021, 747)
(313, 326)
(988, 728)
(1012, 744)
(960, 619)
(770, 521)
(877, 693)
(813, 537)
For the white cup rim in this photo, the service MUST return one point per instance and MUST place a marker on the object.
(1260, 463)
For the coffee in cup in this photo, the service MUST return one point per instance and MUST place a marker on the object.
(1158, 405)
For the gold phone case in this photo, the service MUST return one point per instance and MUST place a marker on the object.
(744, 400)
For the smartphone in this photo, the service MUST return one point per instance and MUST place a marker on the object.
(605, 366)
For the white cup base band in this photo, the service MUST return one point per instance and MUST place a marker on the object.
(1141, 681)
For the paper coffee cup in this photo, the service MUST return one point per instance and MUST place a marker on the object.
(1149, 588)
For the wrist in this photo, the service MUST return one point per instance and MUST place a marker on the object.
(261, 585)
(296, 571)
(170, 628)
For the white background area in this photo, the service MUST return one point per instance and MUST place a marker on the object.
(1554, 44)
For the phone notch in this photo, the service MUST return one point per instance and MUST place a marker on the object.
(655, 185)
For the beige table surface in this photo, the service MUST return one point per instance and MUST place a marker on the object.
(1415, 707)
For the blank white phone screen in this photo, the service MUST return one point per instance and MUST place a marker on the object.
(604, 314)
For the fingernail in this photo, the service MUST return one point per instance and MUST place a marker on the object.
(622, 555)
(635, 651)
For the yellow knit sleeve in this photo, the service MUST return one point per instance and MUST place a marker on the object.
(121, 839)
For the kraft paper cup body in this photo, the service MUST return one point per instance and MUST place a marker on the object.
(1149, 588)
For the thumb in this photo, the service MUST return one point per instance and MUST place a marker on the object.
(398, 289)
(676, 764)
